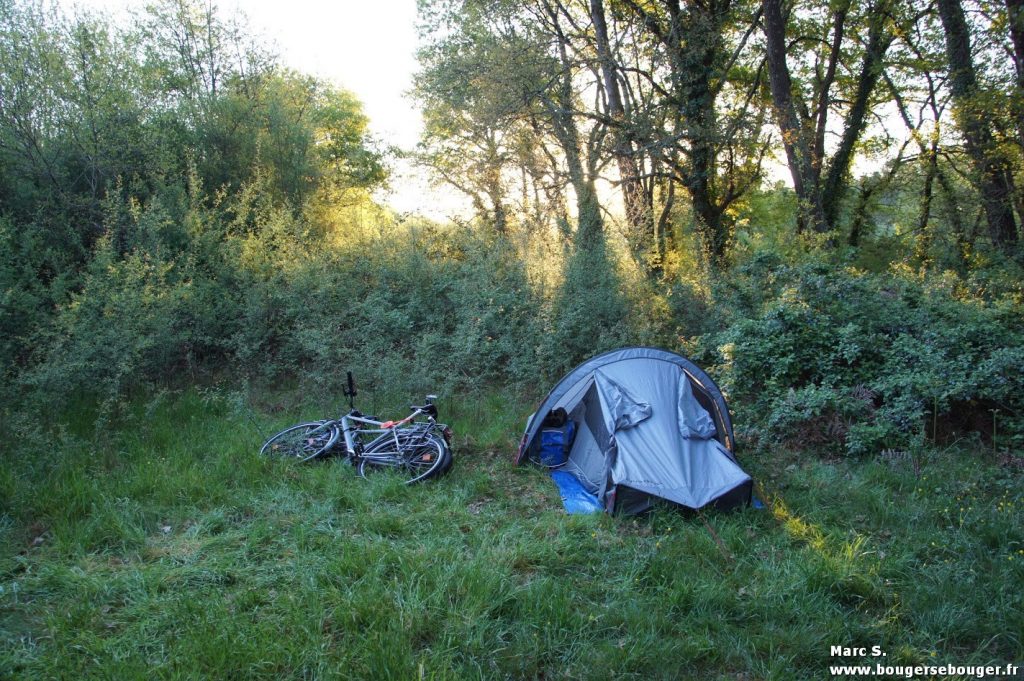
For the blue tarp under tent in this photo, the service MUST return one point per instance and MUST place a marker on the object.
(642, 424)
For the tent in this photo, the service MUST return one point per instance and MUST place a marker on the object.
(649, 424)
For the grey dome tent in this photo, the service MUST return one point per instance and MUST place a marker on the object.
(649, 423)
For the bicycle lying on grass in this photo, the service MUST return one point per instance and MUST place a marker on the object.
(416, 450)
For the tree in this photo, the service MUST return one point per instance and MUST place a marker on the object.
(990, 166)
(468, 123)
(636, 200)
(915, 81)
(802, 108)
(507, 76)
(582, 151)
(710, 140)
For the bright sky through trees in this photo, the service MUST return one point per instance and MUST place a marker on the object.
(366, 47)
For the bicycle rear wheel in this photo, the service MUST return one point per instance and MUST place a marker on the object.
(304, 441)
(415, 456)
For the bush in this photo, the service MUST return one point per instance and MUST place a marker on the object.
(420, 308)
(164, 307)
(859, 362)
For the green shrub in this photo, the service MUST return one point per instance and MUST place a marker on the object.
(163, 307)
(418, 308)
(860, 362)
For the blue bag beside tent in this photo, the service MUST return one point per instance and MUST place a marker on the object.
(555, 444)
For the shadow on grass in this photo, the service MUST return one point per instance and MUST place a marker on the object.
(163, 546)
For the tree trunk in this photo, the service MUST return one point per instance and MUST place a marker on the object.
(924, 232)
(699, 45)
(857, 224)
(1015, 20)
(639, 213)
(590, 227)
(837, 176)
(663, 237)
(989, 164)
(795, 138)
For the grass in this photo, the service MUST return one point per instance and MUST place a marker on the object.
(163, 547)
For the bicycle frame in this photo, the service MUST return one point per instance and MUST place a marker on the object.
(351, 446)
(384, 430)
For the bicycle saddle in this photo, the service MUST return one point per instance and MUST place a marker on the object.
(428, 409)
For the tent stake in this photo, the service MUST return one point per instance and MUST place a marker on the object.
(718, 540)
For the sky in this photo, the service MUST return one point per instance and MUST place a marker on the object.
(365, 46)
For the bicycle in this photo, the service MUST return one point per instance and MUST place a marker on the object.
(418, 450)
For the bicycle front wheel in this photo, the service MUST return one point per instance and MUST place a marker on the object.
(414, 456)
(304, 441)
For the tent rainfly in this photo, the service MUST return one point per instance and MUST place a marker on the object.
(649, 423)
